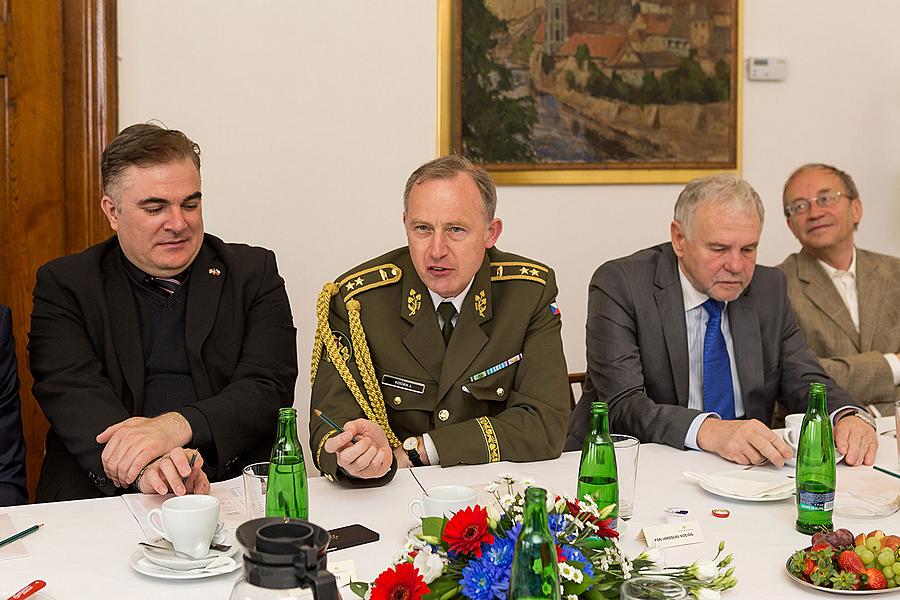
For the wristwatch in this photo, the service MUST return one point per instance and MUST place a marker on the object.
(865, 416)
(410, 444)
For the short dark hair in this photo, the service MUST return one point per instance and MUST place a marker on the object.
(447, 167)
(849, 185)
(142, 145)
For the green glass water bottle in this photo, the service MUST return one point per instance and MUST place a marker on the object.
(597, 474)
(534, 572)
(286, 494)
(815, 476)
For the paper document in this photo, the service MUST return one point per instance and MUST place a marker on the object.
(231, 505)
(15, 549)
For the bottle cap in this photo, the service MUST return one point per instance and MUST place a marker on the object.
(721, 513)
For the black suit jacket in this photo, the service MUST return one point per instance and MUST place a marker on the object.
(88, 365)
(637, 350)
(12, 444)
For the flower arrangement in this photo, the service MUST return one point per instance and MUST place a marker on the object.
(472, 557)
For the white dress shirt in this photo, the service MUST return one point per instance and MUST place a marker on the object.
(696, 318)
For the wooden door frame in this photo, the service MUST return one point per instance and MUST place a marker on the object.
(82, 39)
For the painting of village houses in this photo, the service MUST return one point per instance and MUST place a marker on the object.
(596, 84)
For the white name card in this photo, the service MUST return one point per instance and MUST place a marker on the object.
(672, 535)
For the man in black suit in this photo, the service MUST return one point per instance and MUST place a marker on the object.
(161, 343)
(648, 343)
(12, 444)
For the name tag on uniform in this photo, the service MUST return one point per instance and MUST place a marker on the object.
(403, 384)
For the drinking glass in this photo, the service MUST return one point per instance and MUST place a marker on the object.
(897, 428)
(255, 482)
(627, 448)
(652, 588)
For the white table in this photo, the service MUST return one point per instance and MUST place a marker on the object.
(84, 547)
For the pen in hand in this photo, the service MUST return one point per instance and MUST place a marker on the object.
(331, 423)
(191, 465)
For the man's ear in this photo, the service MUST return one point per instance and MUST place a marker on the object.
(678, 237)
(494, 228)
(108, 206)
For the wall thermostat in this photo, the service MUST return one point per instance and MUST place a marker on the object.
(767, 68)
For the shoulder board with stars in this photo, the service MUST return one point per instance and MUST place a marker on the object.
(368, 279)
(505, 271)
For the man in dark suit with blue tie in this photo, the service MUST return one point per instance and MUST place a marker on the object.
(689, 352)
(12, 445)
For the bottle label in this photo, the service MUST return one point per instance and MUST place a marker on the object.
(816, 500)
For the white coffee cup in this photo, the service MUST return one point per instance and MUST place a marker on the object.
(189, 522)
(442, 501)
(792, 424)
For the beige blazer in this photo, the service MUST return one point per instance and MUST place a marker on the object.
(853, 359)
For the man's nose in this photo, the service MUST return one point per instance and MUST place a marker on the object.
(734, 262)
(438, 245)
(174, 219)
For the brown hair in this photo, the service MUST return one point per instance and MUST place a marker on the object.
(447, 167)
(143, 145)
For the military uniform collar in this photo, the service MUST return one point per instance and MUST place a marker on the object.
(476, 299)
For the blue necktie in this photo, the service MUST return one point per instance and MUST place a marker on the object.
(718, 391)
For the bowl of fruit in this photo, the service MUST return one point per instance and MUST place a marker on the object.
(839, 562)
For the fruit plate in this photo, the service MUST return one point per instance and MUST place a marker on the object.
(803, 582)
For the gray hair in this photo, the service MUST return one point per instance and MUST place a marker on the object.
(723, 188)
(851, 192)
(447, 167)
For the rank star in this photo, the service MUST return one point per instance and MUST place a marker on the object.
(350, 285)
(359, 281)
(534, 272)
(524, 270)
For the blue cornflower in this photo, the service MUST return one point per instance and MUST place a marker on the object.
(478, 579)
(500, 554)
(557, 524)
(573, 554)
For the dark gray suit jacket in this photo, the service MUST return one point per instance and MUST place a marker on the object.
(637, 350)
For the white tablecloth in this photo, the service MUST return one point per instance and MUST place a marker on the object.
(84, 547)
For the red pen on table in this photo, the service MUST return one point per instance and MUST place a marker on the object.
(28, 590)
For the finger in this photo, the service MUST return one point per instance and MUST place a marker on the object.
(171, 475)
(841, 436)
(856, 450)
(338, 442)
(180, 461)
(352, 452)
(363, 462)
(143, 459)
(107, 433)
(871, 452)
(202, 485)
(130, 461)
(153, 478)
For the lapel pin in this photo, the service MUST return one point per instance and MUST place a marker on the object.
(215, 272)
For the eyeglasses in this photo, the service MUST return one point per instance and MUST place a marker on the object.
(823, 200)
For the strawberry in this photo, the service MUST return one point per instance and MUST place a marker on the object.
(875, 579)
(810, 567)
(849, 560)
(845, 580)
(820, 546)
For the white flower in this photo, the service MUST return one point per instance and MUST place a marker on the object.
(491, 487)
(708, 594)
(507, 501)
(528, 482)
(493, 515)
(571, 597)
(429, 564)
(707, 571)
(507, 478)
(567, 571)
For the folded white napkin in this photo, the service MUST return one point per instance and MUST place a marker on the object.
(221, 564)
(750, 483)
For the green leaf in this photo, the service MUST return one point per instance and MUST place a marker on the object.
(359, 588)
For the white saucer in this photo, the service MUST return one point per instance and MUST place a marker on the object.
(719, 492)
(140, 564)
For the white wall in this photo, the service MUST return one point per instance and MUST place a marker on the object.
(312, 114)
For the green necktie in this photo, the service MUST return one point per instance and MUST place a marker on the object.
(447, 312)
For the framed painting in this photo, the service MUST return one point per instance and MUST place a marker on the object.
(591, 91)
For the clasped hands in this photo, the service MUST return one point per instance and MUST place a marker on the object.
(751, 442)
(363, 451)
(153, 448)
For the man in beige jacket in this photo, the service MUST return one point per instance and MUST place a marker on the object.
(845, 297)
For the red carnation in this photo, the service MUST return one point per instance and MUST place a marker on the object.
(403, 582)
(467, 530)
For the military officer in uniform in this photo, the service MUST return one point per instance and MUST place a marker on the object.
(444, 351)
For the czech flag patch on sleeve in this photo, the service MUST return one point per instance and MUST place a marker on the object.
(554, 309)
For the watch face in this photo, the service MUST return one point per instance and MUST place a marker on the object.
(410, 443)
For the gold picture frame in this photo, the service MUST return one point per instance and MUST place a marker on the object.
(580, 171)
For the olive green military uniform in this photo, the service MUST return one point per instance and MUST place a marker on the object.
(478, 399)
